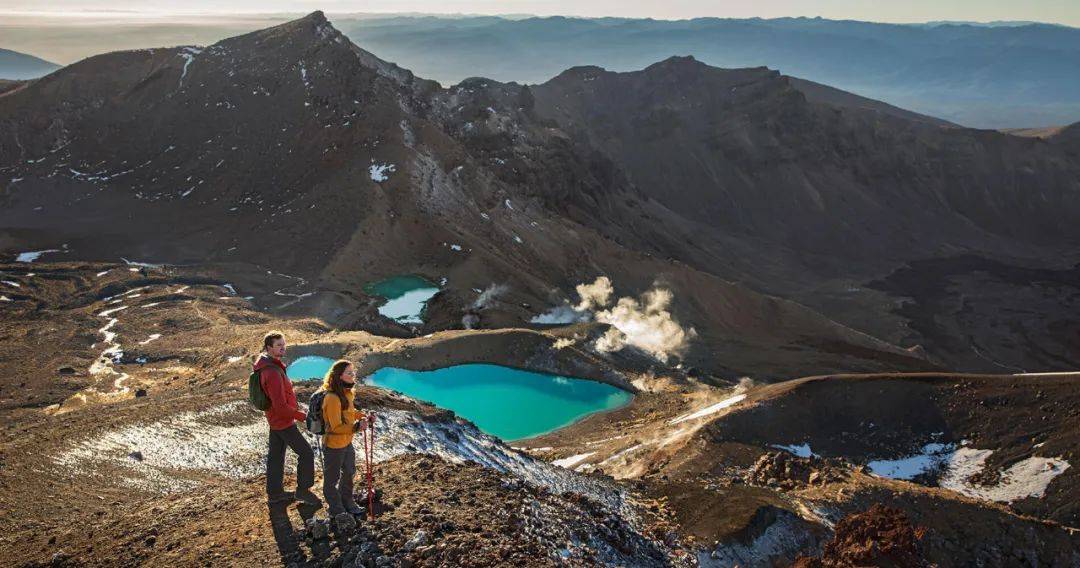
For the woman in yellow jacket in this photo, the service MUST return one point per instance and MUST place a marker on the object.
(342, 420)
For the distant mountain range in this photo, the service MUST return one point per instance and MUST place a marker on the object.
(983, 76)
(15, 65)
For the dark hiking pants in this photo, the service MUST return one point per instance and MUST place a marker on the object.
(275, 461)
(339, 469)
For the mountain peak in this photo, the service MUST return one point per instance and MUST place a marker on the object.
(314, 19)
(310, 28)
(317, 16)
(677, 62)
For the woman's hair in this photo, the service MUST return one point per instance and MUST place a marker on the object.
(332, 381)
(270, 338)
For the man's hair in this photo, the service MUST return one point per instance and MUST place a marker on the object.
(270, 338)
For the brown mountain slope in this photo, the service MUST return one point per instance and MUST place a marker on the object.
(746, 152)
(814, 202)
(818, 93)
(294, 151)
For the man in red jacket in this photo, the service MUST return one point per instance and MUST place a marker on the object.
(282, 416)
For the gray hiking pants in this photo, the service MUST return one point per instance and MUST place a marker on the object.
(339, 469)
(275, 461)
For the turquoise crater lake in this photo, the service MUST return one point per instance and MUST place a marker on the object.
(309, 367)
(508, 403)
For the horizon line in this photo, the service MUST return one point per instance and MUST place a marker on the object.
(119, 14)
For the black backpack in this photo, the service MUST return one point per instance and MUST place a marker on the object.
(315, 423)
(256, 395)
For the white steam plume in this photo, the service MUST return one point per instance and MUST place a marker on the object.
(489, 294)
(561, 315)
(644, 323)
(595, 295)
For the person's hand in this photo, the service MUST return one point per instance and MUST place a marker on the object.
(371, 418)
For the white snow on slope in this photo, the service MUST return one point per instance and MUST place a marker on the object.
(571, 461)
(800, 450)
(230, 440)
(933, 457)
(713, 409)
(303, 75)
(112, 354)
(32, 256)
(1026, 478)
(108, 313)
(140, 264)
(408, 307)
(188, 54)
(380, 172)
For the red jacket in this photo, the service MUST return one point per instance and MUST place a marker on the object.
(284, 411)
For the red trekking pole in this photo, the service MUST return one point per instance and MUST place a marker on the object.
(369, 459)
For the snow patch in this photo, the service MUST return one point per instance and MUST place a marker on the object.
(32, 256)
(1026, 478)
(231, 440)
(933, 457)
(709, 410)
(408, 307)
(188, 54)
(108, 313)
(153, 337)
(571, 461)
(380, 172)
(800, 450)
(140, 264)
(303, 75)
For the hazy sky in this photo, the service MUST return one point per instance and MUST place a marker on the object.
(1056, 11)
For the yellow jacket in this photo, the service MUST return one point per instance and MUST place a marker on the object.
(339, 424)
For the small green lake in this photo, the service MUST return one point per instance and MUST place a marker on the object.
(406, 297)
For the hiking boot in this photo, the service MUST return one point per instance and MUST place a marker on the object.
(353, 509)
(344, 522)
(286, 497)
(306, 497)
